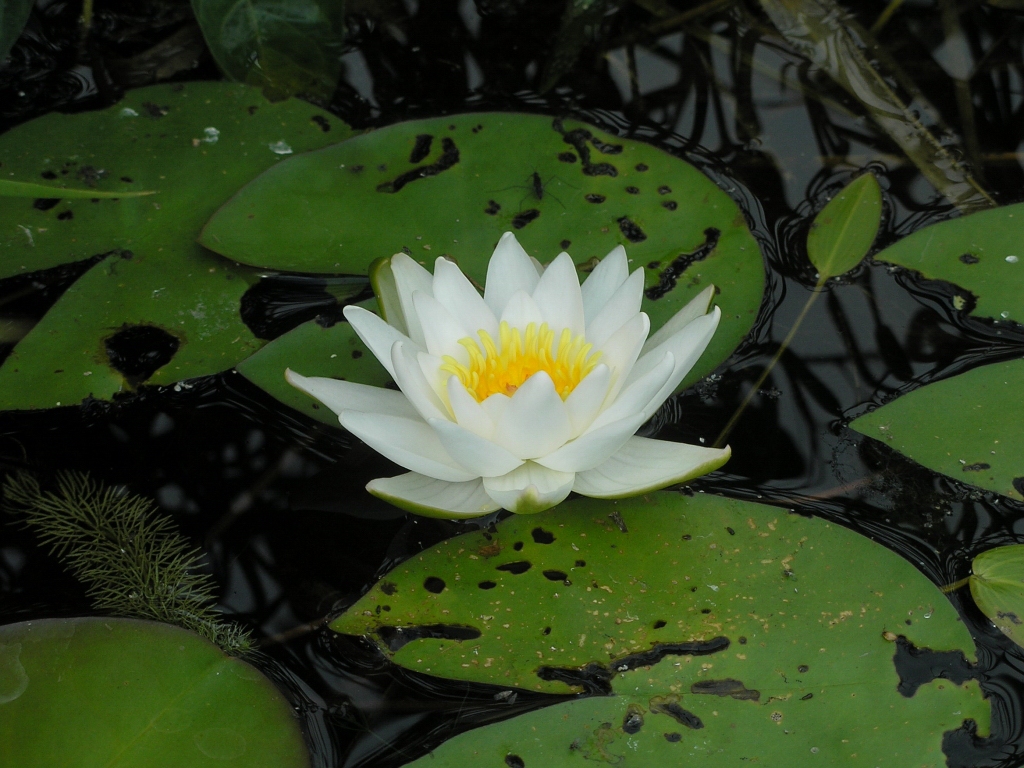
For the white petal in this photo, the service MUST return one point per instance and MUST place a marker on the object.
(604, 281)
(696, 307)
(531, 488)
(537, 265)
(535, 422)
(521, 310)
(643, 465)
(559, 298)
(441, 331)
(593, 448)
(382, 280)
(623, 305)
(586, 400)
(619, 353)
(410, 379)
(348, 396)
(467, 411)
(374, 333)
(436, 379)
(509, 270)
(462, 300)
(409, 278)
(408, 442)
(477, 454)
(686, 346)
(634, 398)
(495, 406)
(426, 496)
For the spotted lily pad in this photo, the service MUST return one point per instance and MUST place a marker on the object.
(717, 628)
(155, 307)
(121, 692)
(967, 427)
(452, 185)
(997, 586)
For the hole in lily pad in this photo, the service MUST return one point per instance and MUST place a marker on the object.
(514, 761)
(434, 584)
(487, 585)
(397, 637)
(516, 568)
(553, 575)
(138, 351)
(541, 536)
(659, 624)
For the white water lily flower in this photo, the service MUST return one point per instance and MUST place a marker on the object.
(517, 397)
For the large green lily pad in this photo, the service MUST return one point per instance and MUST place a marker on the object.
(94, 692)
(982, 253)
(997, 586)
(780, 635)
(453, 185)
(967, 427)
(195, 144)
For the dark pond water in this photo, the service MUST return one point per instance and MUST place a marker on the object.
(277, 502)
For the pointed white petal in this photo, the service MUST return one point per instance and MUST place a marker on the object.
(623, 305)
(521, 310)
(537, 265)
(348, 396)
(441, 331)
(408, 442)
(374, 333)
(634, 397)
(409, 378)
(495, 406)
(643, 465)
(686, 346)
(382, 280)
(462, 300)
(696, 307)
(619, 353)
(426, 496)
(467, 411)
(436, 379)
(586, 400)
(529, 489)
(593, 448)
(535, 421)
(409, 278)
(477, 454)
(559, 298)
(509, 270)
(604, 281)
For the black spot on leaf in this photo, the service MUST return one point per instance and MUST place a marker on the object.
(594, 198)
(670, 205)
(322, 121)
(659, 624)
(517, 546)
(45, 203)
(388, 587)
(633, 190)
(514, 761)
(664, 190)
(969, 258)
(138, 351)
(520, 220)
(726, 687)
(669, 705)
(541, 536)
(434, 584)
(50, 175)
(492, 207)
(487, 585)
(554, 575)
(565, 244)
(673, 737)
(449, 157)
(631, 230)
(976, 467)
(421, 148)
(667, 279)
(516, 568)
(567, 157)
(65, 215)
(633, 721)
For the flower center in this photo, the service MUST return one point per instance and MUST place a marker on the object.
(502, 367)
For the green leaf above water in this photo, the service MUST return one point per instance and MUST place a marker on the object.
(737, 616)
(997, 586)
(121, 692)
(966, 426)
(843, 231)
(13, 16)
(452, 185)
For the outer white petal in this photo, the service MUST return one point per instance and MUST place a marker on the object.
(643, 465)
(521, 310)
(409, 377)
(441, 331)
(586, 400)
(408, 442)
(375, 333)
(623, 305)
(634, 398)
(686, 346)
(409, 278)
(619, 353)
(348, 396)
(495, 406)
(477, 454)
(559, 298)
(509, 270)
(436, 379)
(531, 488)
(696, 307)
(461, 299)
(604, 281)
(593, 448)
(426, 496)
(467, 411)
(535, 422)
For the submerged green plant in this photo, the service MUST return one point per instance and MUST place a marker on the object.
(132, 560)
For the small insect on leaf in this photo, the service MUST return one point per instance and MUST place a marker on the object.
(844, 230)
(997, 586)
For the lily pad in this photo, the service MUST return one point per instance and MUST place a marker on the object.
(842, 233)
(966, 427)
(122, 692)
(982, 253)
(997, 586)
(13, 16)
(452, 185)
(720, 628)
(158, 308)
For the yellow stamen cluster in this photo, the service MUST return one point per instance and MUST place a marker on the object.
(503, 367)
